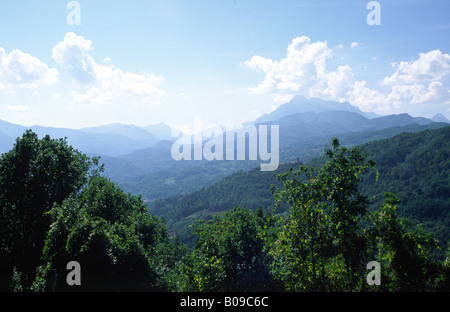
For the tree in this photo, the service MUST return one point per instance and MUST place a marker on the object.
(34, 175)
(230, 253)
(330, 236)
(322, 245)
(404, 253)
(110, 234)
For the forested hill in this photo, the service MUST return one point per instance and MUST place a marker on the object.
(414, 166)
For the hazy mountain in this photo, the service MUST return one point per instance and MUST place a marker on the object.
(160, 130)
(300, 104)
(130, 152)
(6, 142)
(302, 135)
(440, 118)
(130, 131)
(143, 172)
(9, 132)
(111, 140)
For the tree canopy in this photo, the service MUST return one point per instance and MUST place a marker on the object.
(56, 207)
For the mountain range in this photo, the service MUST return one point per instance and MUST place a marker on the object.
(109, 140)
(410, 150)
(300, 104)
(139, 158)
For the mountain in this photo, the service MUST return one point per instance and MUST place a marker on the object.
(153, 172)
(139, 158)
(440, 118)
(110, 140)
(133, 132)
(8, 134)
(160, 130)
(300, 104)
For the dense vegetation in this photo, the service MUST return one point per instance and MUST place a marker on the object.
(414, 166)
(57, 206)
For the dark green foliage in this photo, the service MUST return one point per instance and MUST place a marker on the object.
(34, 175)
(419, 175)
(329, 236)
(230, 253)
(247, 189)
(322, 241)
(415, 167)
(56, 206)
(403, 251)
(110, 234)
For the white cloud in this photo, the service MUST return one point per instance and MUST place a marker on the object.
(431, 66)
(353, 44)
(20, 69)
(416, 87)
(99, 85)
(421, 83)
(72, 55)
(303, 67)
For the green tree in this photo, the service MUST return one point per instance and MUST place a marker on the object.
(230, 253)
(34, 176)
(110, 234)
(330, 236)
(403, 252)
(322, 245)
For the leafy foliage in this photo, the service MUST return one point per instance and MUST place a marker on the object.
(415, 167)
(322, 235)
(230, 253)
(57, 207)
(403, 252)
(109, 233)
(330, 236)
(34, 175)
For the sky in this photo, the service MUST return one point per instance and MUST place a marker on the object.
(76, 64)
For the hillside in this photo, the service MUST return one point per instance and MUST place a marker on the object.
(414, 166)
(155, 175)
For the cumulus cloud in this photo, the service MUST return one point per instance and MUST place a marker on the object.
(424, 81)
(100, 84)
(21, 70)
(413, 86)
(72, 55)
(302, 68)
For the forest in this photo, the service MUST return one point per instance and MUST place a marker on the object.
(57, 206)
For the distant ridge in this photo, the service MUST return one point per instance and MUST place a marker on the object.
(440, 118)
(160, 130)
(300, 104)
(108, 140)
(129, 131)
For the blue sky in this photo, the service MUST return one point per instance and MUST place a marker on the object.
(226, 61)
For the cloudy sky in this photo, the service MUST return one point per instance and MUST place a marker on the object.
(225, 61)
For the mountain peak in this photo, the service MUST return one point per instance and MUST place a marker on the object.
(300, 104)
(440, 118)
